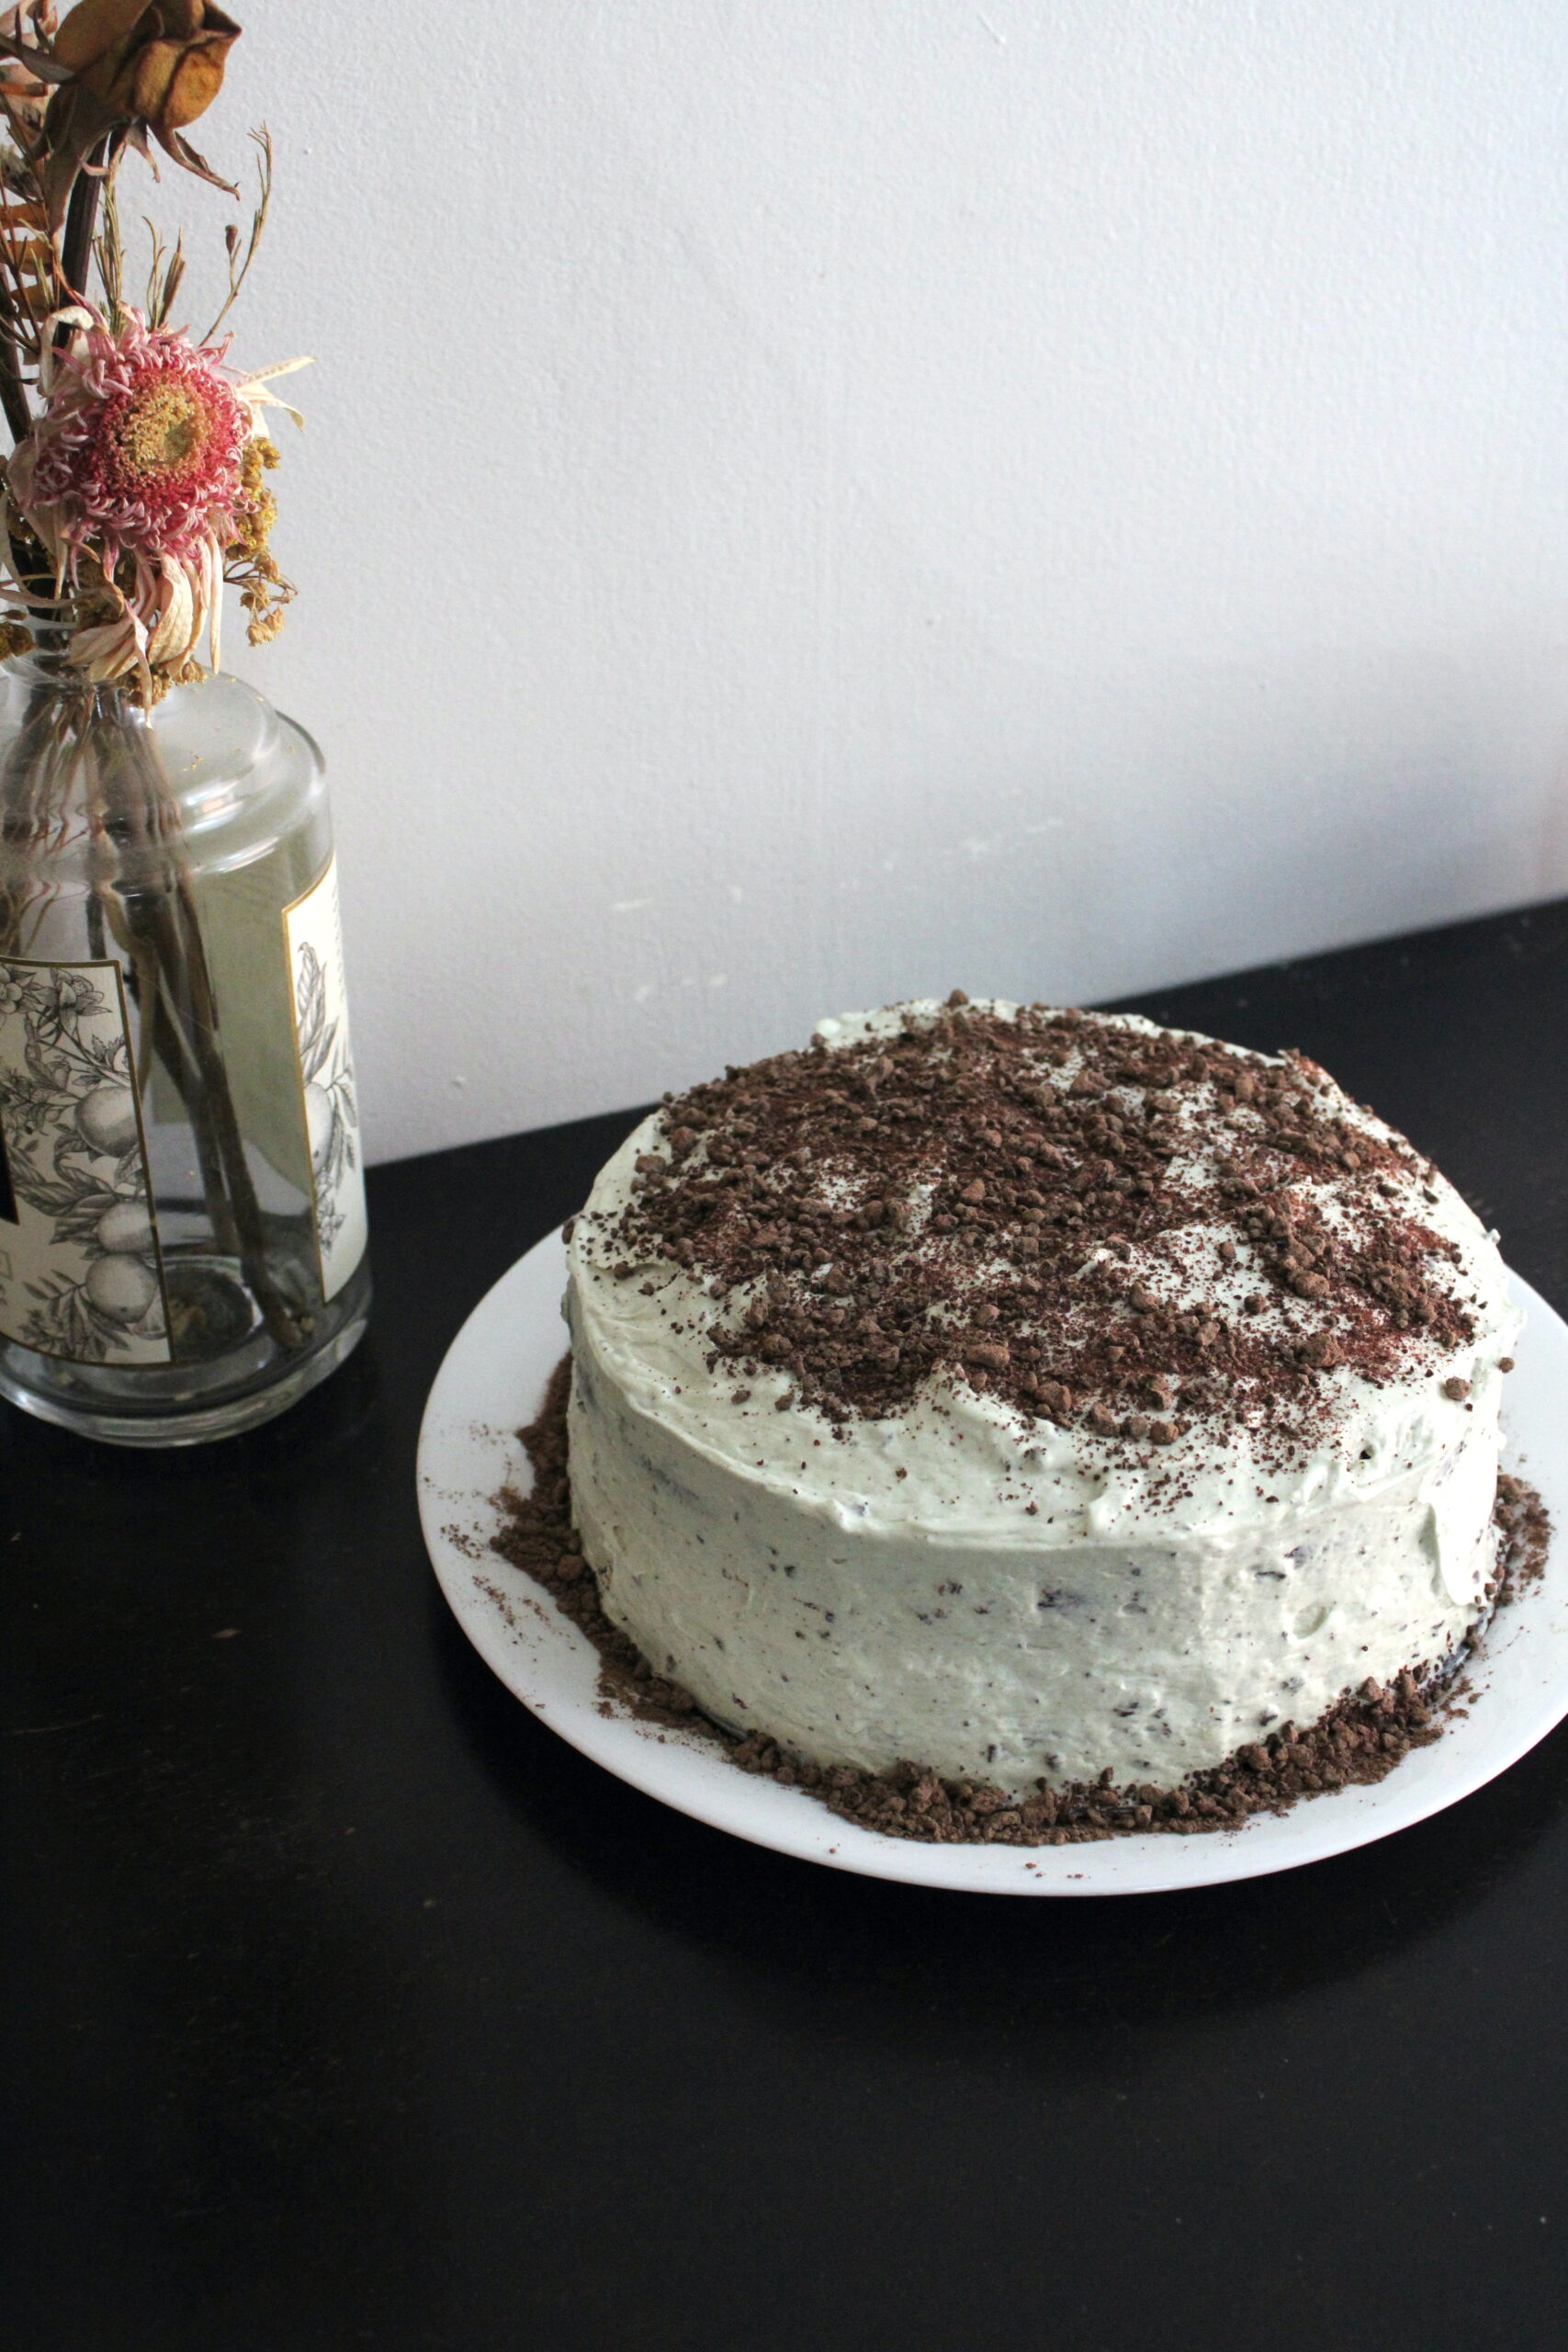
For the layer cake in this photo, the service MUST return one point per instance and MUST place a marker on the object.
(1039, 1395)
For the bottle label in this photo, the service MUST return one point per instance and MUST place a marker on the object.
(312, 932)
(81, 1277)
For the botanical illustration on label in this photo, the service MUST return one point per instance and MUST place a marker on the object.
(80, 1275)
(314, 930)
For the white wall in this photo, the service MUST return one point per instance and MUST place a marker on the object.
(806, 501)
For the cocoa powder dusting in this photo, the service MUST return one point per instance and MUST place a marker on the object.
(1360, 1739)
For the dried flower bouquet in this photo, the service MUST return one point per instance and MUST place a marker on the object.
(135, 487)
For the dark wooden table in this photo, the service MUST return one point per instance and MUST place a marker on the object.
(347, 2006)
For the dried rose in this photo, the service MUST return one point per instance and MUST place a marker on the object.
(122, 70)
(160, 64)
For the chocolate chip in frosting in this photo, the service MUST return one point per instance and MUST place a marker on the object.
(1358, 1740)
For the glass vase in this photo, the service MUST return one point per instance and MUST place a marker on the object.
(182, 1200)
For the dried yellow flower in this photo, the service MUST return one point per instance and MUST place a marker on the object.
(248, 561)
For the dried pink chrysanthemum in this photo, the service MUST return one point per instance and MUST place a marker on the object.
(136, 452)
(134, 481)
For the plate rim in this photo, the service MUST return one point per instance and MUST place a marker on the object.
(790, 1821)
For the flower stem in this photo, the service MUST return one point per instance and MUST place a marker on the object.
(13, 400)
(170, 1047)
(160, 908)
(159, 1038)
(81, 226)
(35, 777)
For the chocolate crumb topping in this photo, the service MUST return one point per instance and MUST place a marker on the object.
(1360, 1739)
(1080, 1217)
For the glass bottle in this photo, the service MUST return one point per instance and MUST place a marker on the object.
(182, 1202)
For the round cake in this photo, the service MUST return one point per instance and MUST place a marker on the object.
(1040, 1396)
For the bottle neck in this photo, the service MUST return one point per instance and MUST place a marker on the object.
(45, 676)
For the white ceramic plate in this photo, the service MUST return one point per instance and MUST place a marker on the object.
(492, 1381)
